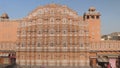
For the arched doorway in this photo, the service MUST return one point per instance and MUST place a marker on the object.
(103, 61)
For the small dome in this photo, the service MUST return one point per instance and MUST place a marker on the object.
(92, 9)
(52, 5)
(5, 16)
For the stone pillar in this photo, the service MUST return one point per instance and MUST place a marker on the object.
(93, 62)
(1, 60)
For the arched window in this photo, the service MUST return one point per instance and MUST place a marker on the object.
(97, 17)
(33, 42)
(41, 12)
(23, 24)
(64, 44)
(52, 12)
(39, 21)
(71, 41)
(92, 17)
(81, 44)
(87, 17)
(23, 32)
(52, 31)
(64, 31)
(23, 44)
(38, 44)
(64, 20)
(39, 31)
(52, 20)
(58, 41)
(38, 56)
(29, 43)
(70, 20)
(51, 44)
(22, 56)
(65, 11)
(65, 56)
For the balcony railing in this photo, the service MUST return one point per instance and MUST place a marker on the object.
(105, 46)
(56, 49)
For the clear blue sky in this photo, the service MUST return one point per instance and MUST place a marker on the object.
(109, 9)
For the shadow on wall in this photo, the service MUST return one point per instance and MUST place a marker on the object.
(11, 66)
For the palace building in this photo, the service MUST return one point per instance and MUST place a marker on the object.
(55, 36)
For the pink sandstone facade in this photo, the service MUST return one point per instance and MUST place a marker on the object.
(8, 38)
(54, 36)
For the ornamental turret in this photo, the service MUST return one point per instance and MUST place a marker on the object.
(4, 16)
(92, 16)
